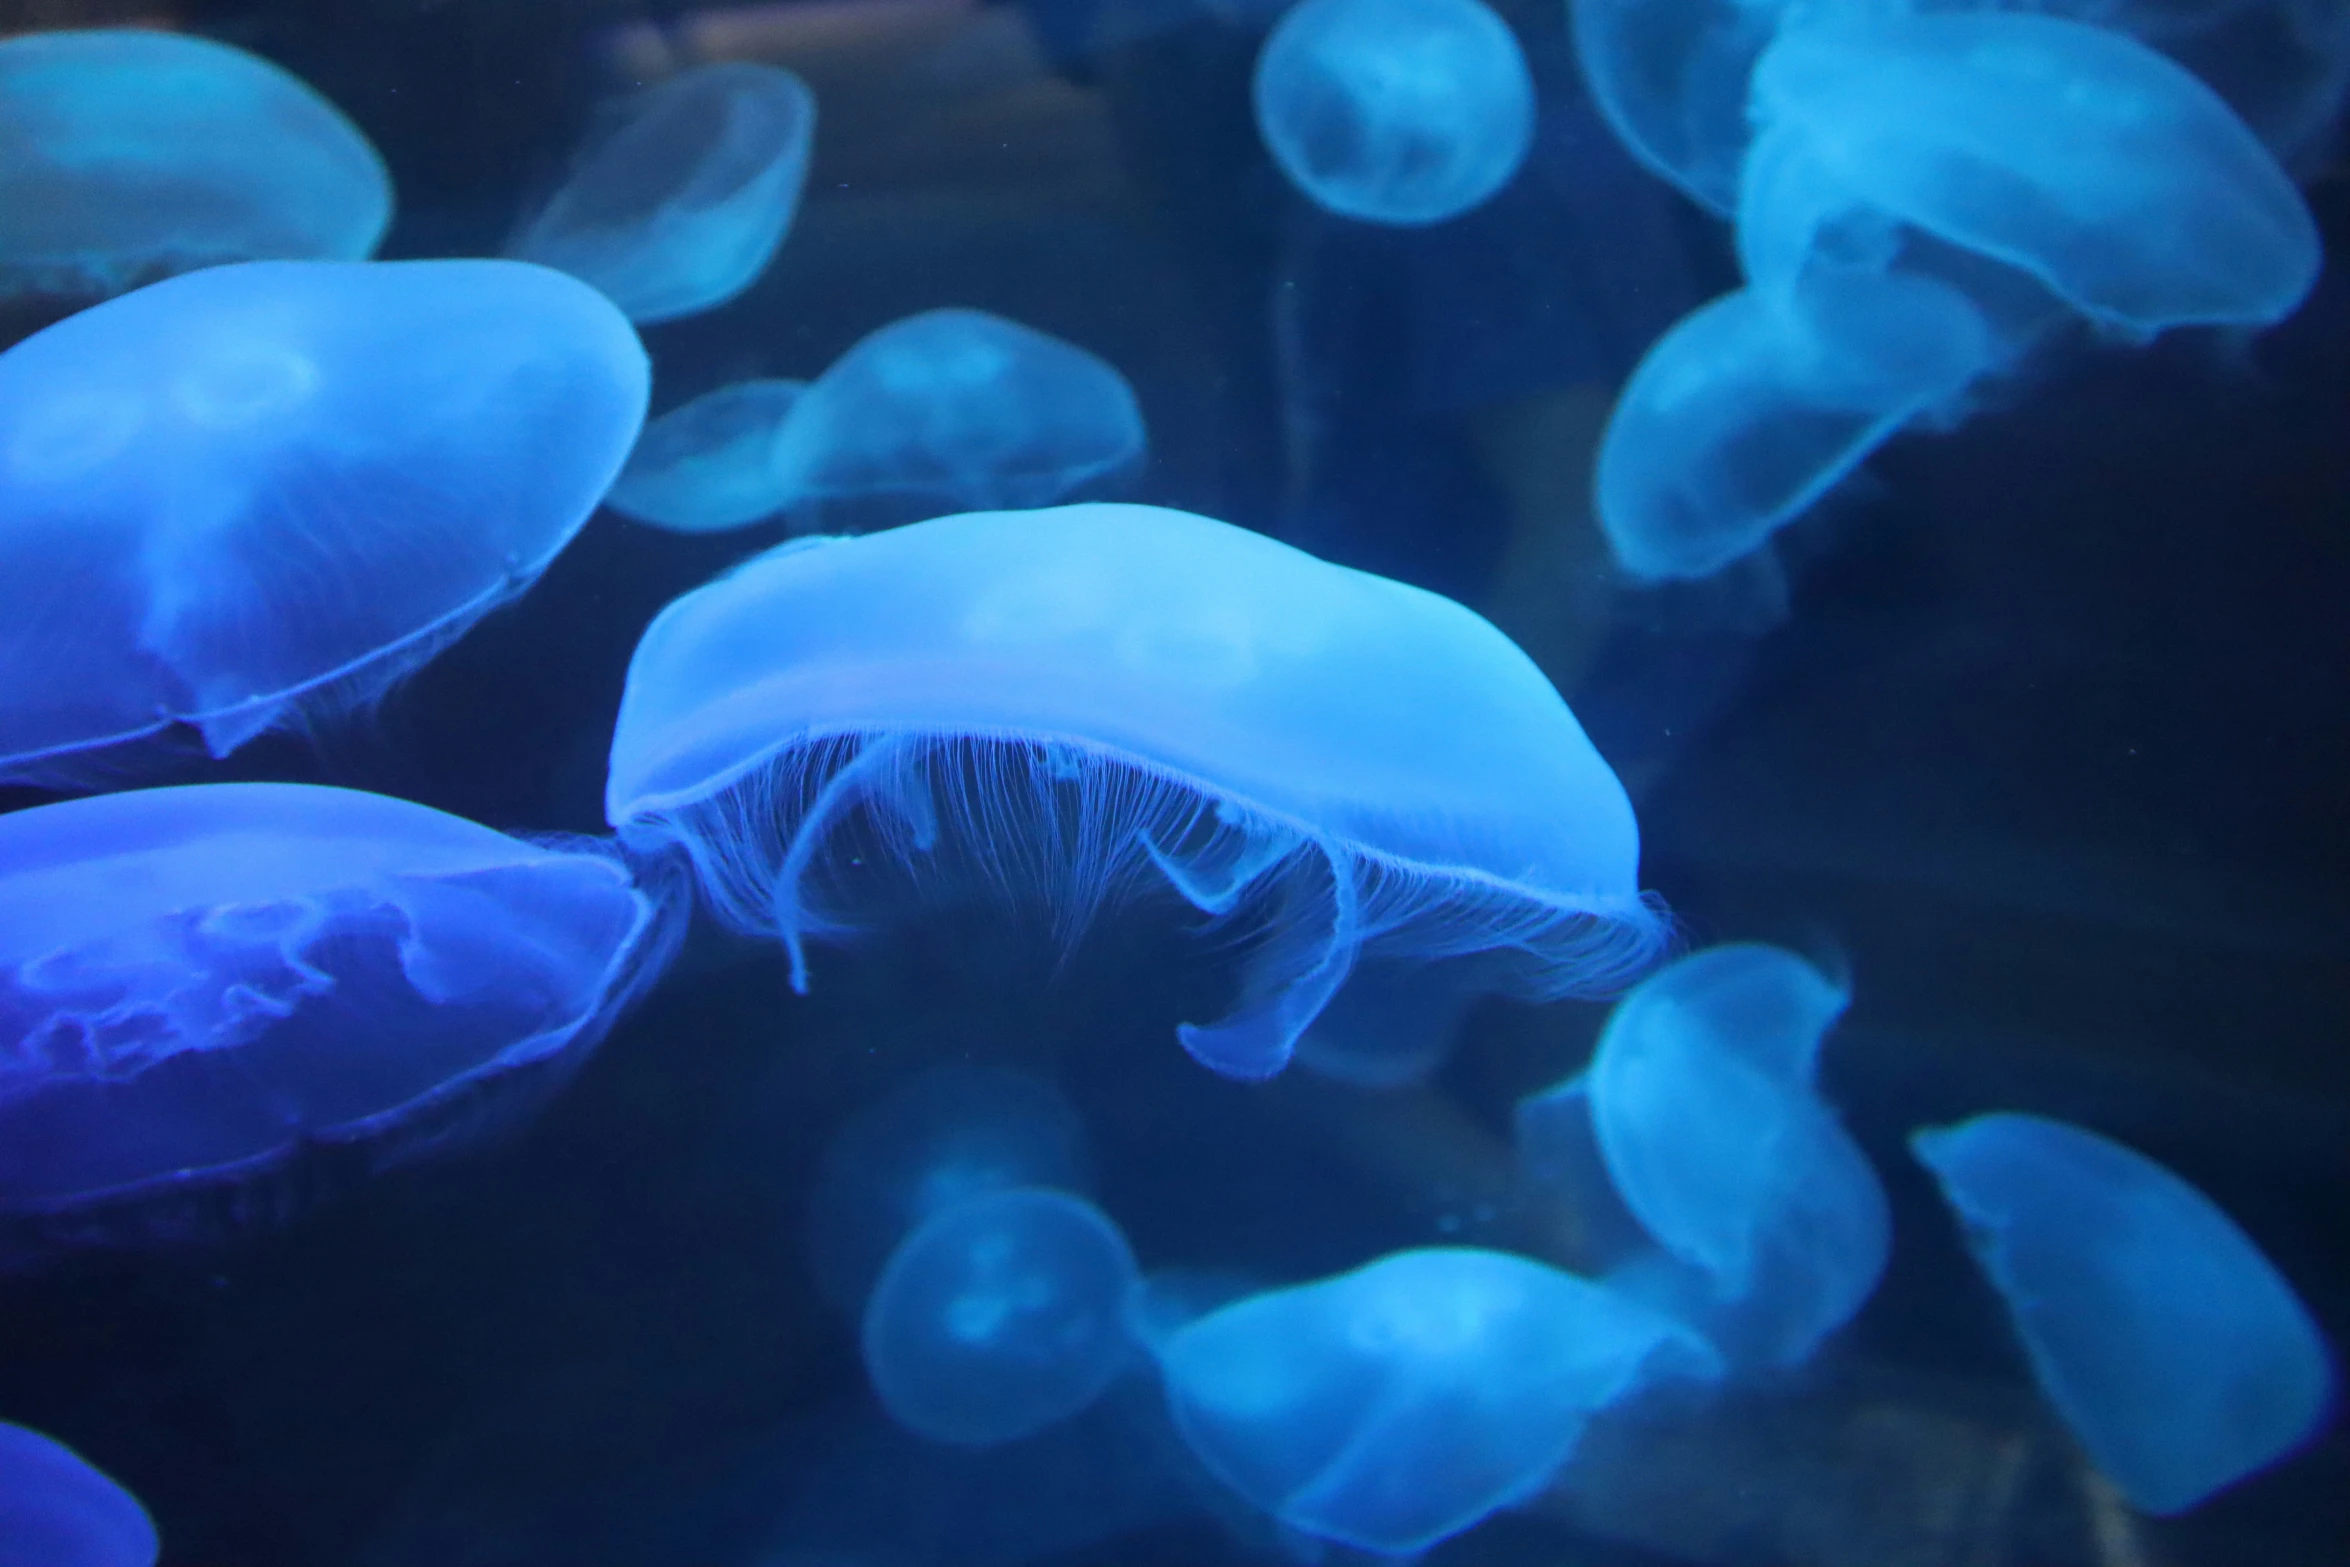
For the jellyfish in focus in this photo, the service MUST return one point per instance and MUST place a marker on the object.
(255, 496)
(683, 191)
(1064, 707)
(710, 466)
(1396, 1405)
(126, 156)
(199, 985)
(999, 1316)
(1670, 76)
(1405, 112)
(2175, 1351)
(56, 1510)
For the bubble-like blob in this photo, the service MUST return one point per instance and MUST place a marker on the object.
(1395, 111)
(1670, 77)
(959, 409)
(1067, 706)
(683, 192)
(126, 156)
(255, 496)
(2176, 1352)
(1396, 1405)
(199, 984)
(710, 466)
(999, 1316)
(56, 1510)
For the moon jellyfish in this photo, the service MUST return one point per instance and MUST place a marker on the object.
(58, 1511)
(2173, 1349)
(1067, 706)
(999, 1316)
(1670, 76)
(1395, 111)
(200, 985)
(1396, 1405)
(683, 192)
(256, 496)
(710, 465)
(126, 156)
(962, 408)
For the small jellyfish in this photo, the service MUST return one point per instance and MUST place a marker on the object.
(1671, 76)
(1396, 1405)
(710, 466)
(128, 156)
(1069, 706)
(958, 410)
(683, 191)
(999, 1316)
(56, 1510)
(1405, 112)
(2175, 1351)
(255, 496)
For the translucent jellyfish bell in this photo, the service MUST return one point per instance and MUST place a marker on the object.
(999, 1316)
(1671, 76)
(127, 156)
(58, 1511)
(255, 496)
(1395, 111)
(710, 466)
(1070, 705)
(2176, 1352)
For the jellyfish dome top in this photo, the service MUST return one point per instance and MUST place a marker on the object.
(1397, 1405)
(199, 984)
(129, 155)
(683, 192)
(1075, 703)
(57, 1510)
(709, 466)
(255, 496)
(1403, 112)
(2176, 1352)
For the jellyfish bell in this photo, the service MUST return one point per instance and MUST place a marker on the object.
(709, 466)
(1671, 76)
(57, 1510)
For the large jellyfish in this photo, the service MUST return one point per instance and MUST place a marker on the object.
(1069, 704)
(199, 984)
(1671, 76)
(2176, 1352)
(255, 496)
(1395, 111)
(999, 1316)
(683, 192)
(1398, 1404)
(710, 466)
(126, 156)
(56, 1510)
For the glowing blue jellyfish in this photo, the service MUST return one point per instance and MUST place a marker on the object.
(998, 1317)
(683, 192)
(710, 465)
(1398, 1404)
(255, 496)
(1671, 76)
(198, 985)
(1395, 111)
(1068, 705)
(2176, 1352)
(58, 1511)
(127, 156)
(963, 410)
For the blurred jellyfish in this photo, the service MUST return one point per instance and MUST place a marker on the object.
(198, 985)
(710, 465)
(959, 409)
(1670, 76)
(683, 191)
(1395, 111)
(2176, 1352)
(58, 1511)
(127, 156)
(256, 496)
(999, 1316)
(1070, 705)
(1396, 1405)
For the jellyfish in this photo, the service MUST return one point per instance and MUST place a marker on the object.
(2175, 1351)
(254, 497)
(1403, 112)
(1394, 1406)
(57, 1510)
(960, 409)
(126, 156)
(1061, 707)
(710, 466)
(683, 192)
(998, 1316)
(199, 984)
(1670, 77)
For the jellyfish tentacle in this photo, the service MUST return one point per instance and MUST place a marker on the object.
(872, 773)
(1291, 980)
(1213, 876)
